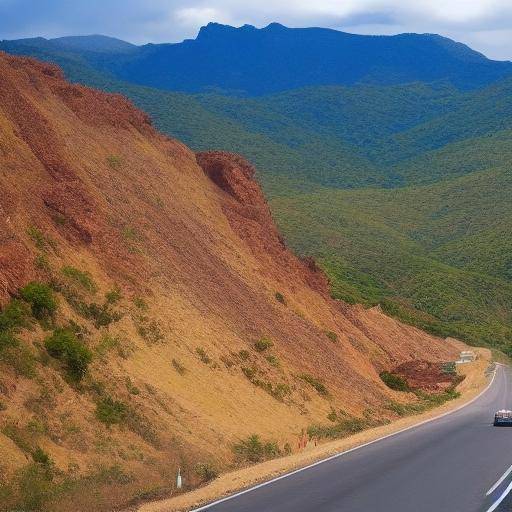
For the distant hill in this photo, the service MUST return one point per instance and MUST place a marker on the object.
(251, 61)
(95, 43)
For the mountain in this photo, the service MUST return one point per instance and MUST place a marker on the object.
(248, 61)
(420, 139)
(152, 317)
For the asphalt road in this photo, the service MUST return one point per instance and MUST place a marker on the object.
(447, 465)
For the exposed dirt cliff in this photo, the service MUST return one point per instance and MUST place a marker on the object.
(201, 327)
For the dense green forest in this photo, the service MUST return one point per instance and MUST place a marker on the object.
(402, 192)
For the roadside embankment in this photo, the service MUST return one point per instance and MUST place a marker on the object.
(477, 378)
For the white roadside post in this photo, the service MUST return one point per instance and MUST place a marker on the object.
(179, 482)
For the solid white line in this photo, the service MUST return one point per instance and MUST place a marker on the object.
(335, 456)
(498, 483)
(496, 504)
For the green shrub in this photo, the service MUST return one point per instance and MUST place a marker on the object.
(332, 336)
(41, 299)
(263, 344)
(249, 372)
(244, 355)
(394, 382)
(315, 383)
(84, 279)
(113, 296)
(140, 303)
(111, 412)
(114, 161)
(41, 457)
(64, 345)
(205, 358)
(253, 449)
(206, 471)
(280, 298)
(273, 360)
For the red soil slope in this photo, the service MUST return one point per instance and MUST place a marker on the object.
(189, 241)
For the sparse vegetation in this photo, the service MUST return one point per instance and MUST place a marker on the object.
(244, 355)
(332, 336)
(111, 412)
(179, 367)
(41, 457)
(42, 263)
(205, 358)
(41, 241)
(114, 161)
(273, 360)
(394, 382)
(41, 299)
(317, 384)
(149, 330)
(140, 303)
(425, 402)
(84, 279)
(113, 296)
(64, 345)
(206, 471)
(341, 428)
(280, 298)
(264, 343)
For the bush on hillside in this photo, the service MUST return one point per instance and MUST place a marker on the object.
(394, 382)
(41, 299)
(64, 345)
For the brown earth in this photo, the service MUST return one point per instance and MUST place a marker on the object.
(189, 241)
(425, 375)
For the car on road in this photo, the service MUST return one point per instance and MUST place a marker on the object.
(503, 418)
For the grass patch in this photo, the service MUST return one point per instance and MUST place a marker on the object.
(317, 384)
(179, 367)
(332, 336)
(111, 412)
(341, 428)
(114, 161)
(84, 279)
(205, 358)
(206, 471)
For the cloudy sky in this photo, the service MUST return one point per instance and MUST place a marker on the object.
(486, 25)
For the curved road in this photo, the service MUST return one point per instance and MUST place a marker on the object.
(446, 465)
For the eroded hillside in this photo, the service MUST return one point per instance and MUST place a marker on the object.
(152, 316)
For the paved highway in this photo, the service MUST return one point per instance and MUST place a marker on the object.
(447, 465)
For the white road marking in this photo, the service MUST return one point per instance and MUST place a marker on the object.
(335, 456)
(499, 482)
(496, 504)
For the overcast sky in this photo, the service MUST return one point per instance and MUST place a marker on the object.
(485, 25)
